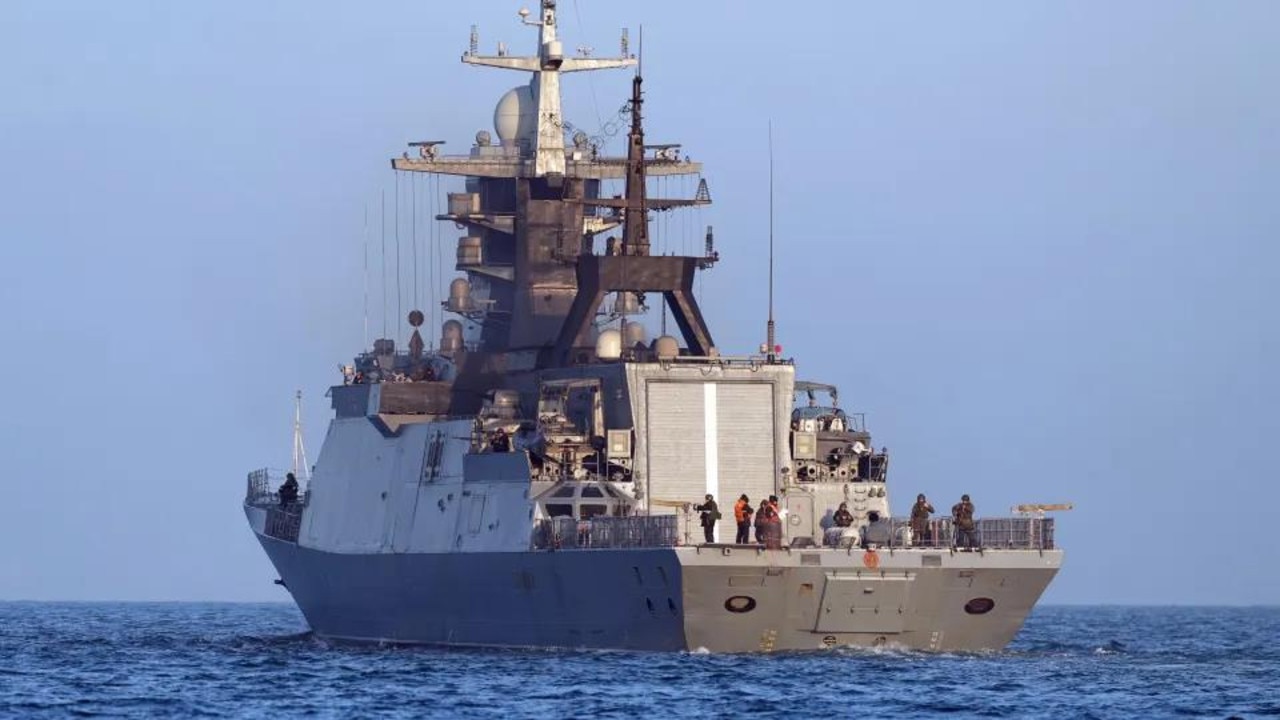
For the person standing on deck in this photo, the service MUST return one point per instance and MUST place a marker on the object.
(742, 514)
(920, 521)
(773, 525)
(710, 514)
(761, 520)
(962, 514)
(288, 491)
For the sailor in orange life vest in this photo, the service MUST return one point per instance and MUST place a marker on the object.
(742, 515)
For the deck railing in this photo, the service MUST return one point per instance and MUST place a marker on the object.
(263, 486)
(1009, 533)
(262, 491)
(283, 524)
(638, 531)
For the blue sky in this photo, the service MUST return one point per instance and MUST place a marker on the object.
(1036, 243)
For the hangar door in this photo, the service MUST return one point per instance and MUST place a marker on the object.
(713, 438)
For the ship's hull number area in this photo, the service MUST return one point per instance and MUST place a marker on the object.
(740, 604)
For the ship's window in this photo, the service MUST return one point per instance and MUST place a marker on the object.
(740, 604)
(560, 510)
(566, 491)
(590, 511)
(592, 491)
(979, 606)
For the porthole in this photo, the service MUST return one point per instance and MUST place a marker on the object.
(740, 604)
(979, 606)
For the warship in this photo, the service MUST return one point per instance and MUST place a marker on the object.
(536, 477)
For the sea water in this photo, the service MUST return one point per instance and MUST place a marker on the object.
(258, 660)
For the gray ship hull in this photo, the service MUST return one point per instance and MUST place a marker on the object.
(717, 598)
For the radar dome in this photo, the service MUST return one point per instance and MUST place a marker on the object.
(459, 296)
(666, 347)
(451, 337)
(516, 116)
(609, 345)
(633, 335)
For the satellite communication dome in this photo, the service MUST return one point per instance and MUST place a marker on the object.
(459, 295)
(634, 334)
(451, 337)
(609, 345)
(516, 116)
(666, 347)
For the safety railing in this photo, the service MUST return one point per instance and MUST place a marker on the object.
(283, 524)
(637, 531)
(263, 486)
(1012, 533)
(262, 491)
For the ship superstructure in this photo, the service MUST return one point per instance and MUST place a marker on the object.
(532, 479)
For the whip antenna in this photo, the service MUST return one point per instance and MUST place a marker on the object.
(364, 237)
(771, 351)
(301, 469)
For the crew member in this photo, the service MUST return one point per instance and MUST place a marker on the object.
(762, 520)
(842, 517)
(288, 491)
(710, 514)
(773, 526)
(742, 514)
(877, 531)
(962, 515)
(500, 442)
(920, 521)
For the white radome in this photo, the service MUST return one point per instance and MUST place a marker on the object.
(609, 345)
(516, 115)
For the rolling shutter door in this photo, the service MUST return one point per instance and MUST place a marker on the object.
(677, 444)
(745, 442)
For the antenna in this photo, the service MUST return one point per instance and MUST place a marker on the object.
(399, 292)
(364, 235)
(771, 352)
(384, 263)
(300, 464)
